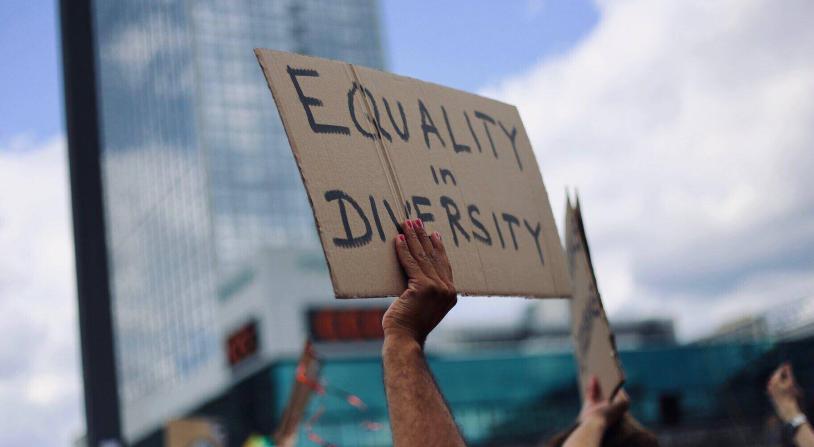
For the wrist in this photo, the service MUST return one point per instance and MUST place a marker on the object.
(400, 341)
(596, 423)
(788, 410)
(792, 426)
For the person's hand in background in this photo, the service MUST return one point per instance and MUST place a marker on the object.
(597, 415)
(785, 395)
(600, 411)
(430, 292)
(784, 392)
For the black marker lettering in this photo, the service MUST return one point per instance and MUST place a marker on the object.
(349, 240)
(309, 101)
(405, 134)
(380, 132)
(472, 131)
(499, 233)
(434, 175)
(513, 138)
(487, 119)
(535, 234)
(378, 121)
(509, 219)
(484, 235)
(376, 218)
(352, 111)
(454, 218)
(392, 215)
(586, 325)
(446, 173)
(417, 201)
(428, 126)
(455, 146)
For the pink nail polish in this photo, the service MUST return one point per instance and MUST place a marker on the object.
(419, 223)
(401, 237)
(409, 224)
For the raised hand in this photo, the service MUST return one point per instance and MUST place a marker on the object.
(430, 292)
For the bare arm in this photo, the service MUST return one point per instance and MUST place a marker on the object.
(785, 395)
(418, 414)
(587, 434)
(804, 436)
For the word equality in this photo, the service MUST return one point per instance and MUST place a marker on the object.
(488, 128)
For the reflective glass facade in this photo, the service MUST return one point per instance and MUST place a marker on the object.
(198, 176)
(257, 196)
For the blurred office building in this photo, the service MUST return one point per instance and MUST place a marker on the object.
(545, 327)
(786, 320)
(208, 228)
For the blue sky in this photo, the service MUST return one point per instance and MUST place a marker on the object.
(466, 47)
(30, 80)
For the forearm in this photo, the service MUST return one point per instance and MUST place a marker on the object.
(587, 434)
(418, 413)
(804, 436)
(787, 409)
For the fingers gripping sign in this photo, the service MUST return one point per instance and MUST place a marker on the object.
(599, 409)
(430, 292)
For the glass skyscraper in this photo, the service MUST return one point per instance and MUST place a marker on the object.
(197, 173)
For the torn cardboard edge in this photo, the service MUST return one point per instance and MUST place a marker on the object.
(609, 368)
(363, 79)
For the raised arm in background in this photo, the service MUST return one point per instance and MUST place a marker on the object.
(419, 415)
(606, 424)
(785, 395)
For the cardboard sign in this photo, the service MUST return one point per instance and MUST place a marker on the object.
(375, 149)
(593, 339)
(305, 382)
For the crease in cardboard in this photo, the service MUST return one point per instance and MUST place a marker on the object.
(384, 155)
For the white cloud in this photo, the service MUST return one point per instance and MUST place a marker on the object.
(687, 127)
(39, 367)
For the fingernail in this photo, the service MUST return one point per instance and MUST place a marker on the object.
(409, 224)
(437, 235)
(419, 224)
(401, 237)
